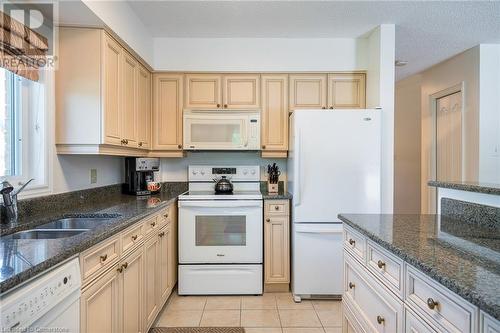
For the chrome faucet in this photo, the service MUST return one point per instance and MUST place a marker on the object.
(9, 196)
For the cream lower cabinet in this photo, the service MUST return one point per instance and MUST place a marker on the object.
(382, 293)
(276, 245)
(126, 295)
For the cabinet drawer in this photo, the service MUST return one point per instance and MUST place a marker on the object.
(99, 257)
(132, 236)
(354, 243)
(376, 309)
(165, 216)
(488, 324)
(151, 225)
(415, 324)
(438, 304)
(386, 267)
(276, 207)
(349, 323)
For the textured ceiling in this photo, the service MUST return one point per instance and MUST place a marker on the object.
(426, 32)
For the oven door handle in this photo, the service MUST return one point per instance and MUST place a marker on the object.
(221, 204)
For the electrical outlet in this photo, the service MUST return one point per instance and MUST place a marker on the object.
(93, 176)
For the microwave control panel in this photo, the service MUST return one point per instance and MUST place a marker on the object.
(254, 132)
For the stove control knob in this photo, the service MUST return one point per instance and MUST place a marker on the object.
(245, 171)
(202, 172)
(195, 172)
(252, 172)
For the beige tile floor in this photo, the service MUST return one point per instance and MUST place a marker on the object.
(269, 313)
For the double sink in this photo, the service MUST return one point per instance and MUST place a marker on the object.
(62, 228)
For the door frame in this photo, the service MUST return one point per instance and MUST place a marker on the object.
(433, 98)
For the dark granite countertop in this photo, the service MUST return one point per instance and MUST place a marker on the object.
(463, 257)
(468, 186)
(281, 195)
(22, 259)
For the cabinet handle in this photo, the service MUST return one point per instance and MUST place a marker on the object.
(103, 258)
(323, 107)
(432, 303)
(268, 220)
(225, 106)
(263, 146)
(125, 265)
(140, 144)
(134, 237)
(161, 234)
(380, 264)
(331, 107)
(380, 320)
(179, 146)
(153, 224)
(352, 241)
(276, 207)
(351, 285)
(119, 269)
(166, 215)
(218, 105)
(123, 141)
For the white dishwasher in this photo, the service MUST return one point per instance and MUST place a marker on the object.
(48, 303)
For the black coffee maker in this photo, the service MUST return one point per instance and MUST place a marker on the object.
(138, 172)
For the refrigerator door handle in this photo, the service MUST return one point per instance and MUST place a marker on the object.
(297, 187)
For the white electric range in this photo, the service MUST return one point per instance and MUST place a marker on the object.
(221, 235)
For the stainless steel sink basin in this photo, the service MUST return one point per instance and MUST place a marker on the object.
(44, 234)
(75, 223)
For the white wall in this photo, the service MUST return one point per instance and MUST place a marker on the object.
(489, 113)
(175, 169)
(407, 132)
(118, 16)
(260, 54)
(380, 92)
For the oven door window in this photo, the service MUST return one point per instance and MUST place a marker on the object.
(220, 230)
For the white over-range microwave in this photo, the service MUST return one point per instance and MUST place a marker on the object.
(221, 130)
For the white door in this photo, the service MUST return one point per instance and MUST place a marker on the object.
(317, 259)
(224, 231)
(334, 165)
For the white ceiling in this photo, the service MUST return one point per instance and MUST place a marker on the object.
(426, 32)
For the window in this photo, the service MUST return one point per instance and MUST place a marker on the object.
(23, 153)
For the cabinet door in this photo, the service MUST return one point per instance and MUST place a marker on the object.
(167, 113)
(99, 305)
(346, 91)
(111, 94)
(144, 108)
(172, 260)
(151, 294)
(308, 91)
(241, 91)
(203, 91)
(415, 324)
(163, 266)
(132, 291)
(276, 249)
(275, 112)
(129, 99)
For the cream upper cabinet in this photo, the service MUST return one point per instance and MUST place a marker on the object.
(167, 112)
(203, 91)
(274, 113)
(276, 242)
(346, 91)
(99, 305)
(144, 111)
(131, 278)
(112, 60)
(130, 69)
(241, 91)
(308, 91)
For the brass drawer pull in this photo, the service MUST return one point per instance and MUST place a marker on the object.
(140, 144)
(103, 258)
(351, 285)
(218, 105)
(179, 146)
(268, 220)
(352, 241)
(153, 224)
(380, 320)
(166, 215)
(161, 234)
(125, 265)
(380, 264)
(225, 106)
(276, 207)
(119, 269)
(134, 237)
(432, 304)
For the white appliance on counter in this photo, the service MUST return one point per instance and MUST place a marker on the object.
(221, 129)
(333, 167)
(221, 235)
(48, 303)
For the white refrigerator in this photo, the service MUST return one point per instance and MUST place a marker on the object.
(333, 167)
